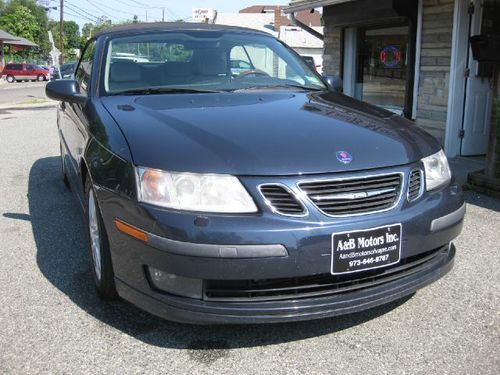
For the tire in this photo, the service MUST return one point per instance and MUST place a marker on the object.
(40, 78)
(10, 79)
(98, 244)
(63, 170)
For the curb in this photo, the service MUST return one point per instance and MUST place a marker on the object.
(47, 103)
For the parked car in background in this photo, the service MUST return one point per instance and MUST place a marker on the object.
(67, 71)
(310, 61)
(220, 196)
(25, 72)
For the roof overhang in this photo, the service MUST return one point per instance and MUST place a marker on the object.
(311, 4)
(4, 35)
(23, 42)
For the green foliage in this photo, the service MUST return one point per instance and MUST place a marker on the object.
(20, 22)
(72, 37)
(90, 29)
(38, 27)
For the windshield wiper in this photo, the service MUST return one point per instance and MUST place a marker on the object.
(278, 86)
(162, 90)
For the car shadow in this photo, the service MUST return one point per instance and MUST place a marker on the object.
(482, 200)
(62, 257)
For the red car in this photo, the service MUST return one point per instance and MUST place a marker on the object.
(24, 72)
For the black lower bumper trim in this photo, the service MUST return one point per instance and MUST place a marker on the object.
(201, 312)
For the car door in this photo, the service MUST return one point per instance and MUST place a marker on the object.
(18, 71)
(73, 124)
(29, 71)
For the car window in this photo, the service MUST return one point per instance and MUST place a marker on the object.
(84, 69)
(215, 61)
(30, 67)
(13, 66)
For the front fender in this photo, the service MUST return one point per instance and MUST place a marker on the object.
(109, 170)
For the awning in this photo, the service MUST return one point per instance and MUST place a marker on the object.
(298, 5)
(4, 35)
(22, 42)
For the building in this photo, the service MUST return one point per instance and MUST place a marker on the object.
(14, 43)
(304, 43)
(413, 58)
(272, 19)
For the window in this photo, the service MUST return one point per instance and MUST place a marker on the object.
(14, 67)
(84, 69)
(383, 64)
(30, 68)
(207, 61)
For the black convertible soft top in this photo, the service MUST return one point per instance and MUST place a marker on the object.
(173, 26)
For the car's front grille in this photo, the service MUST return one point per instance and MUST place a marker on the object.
(415, 185)
(281, 200)
(341, 197)
(318, 285)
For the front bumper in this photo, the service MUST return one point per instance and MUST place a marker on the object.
(222, 248)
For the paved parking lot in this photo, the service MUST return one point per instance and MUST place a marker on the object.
(52, 322)
(21, 92)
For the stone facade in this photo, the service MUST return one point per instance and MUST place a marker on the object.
(433, 85)
(331, 54)
(435, 62)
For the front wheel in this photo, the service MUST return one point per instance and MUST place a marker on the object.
(11, 79)
(99, 247)
(40, 78)
(63, 170)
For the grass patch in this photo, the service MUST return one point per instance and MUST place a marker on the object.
(35, 101)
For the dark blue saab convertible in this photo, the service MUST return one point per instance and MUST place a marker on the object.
(224, 181)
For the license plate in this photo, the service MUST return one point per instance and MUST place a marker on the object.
(365, 249)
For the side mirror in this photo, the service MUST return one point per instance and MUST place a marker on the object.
(65, 90)
(335, 83)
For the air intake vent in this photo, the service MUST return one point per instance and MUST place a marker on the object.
(281, 200)
(354, 196)
(415, 185)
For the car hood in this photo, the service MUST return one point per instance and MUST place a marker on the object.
(264, 133)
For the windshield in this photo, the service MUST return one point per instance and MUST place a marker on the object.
(205, 61)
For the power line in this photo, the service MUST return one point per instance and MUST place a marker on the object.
(114, 9)
(101, 10)
(138, 4)
(82, 12)
(79, 16)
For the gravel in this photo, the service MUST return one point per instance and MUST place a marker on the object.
(51, 320)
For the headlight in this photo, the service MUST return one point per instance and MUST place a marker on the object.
(437, 170)
(193, 191)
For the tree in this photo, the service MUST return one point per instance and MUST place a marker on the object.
(72, 39)
(20, 22)
(40, 36)
(90, 29)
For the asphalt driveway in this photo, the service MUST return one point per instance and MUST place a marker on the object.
(51, 320)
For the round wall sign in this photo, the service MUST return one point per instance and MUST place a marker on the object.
(390, 56)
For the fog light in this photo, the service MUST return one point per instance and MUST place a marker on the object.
(175, 284)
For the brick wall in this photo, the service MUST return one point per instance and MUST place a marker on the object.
(437, 27)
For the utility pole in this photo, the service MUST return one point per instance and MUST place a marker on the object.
(146, 15)
(162, 14)
(61, 30)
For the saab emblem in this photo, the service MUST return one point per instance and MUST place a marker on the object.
(344, 157)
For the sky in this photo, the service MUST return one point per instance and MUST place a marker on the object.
(83, 11)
